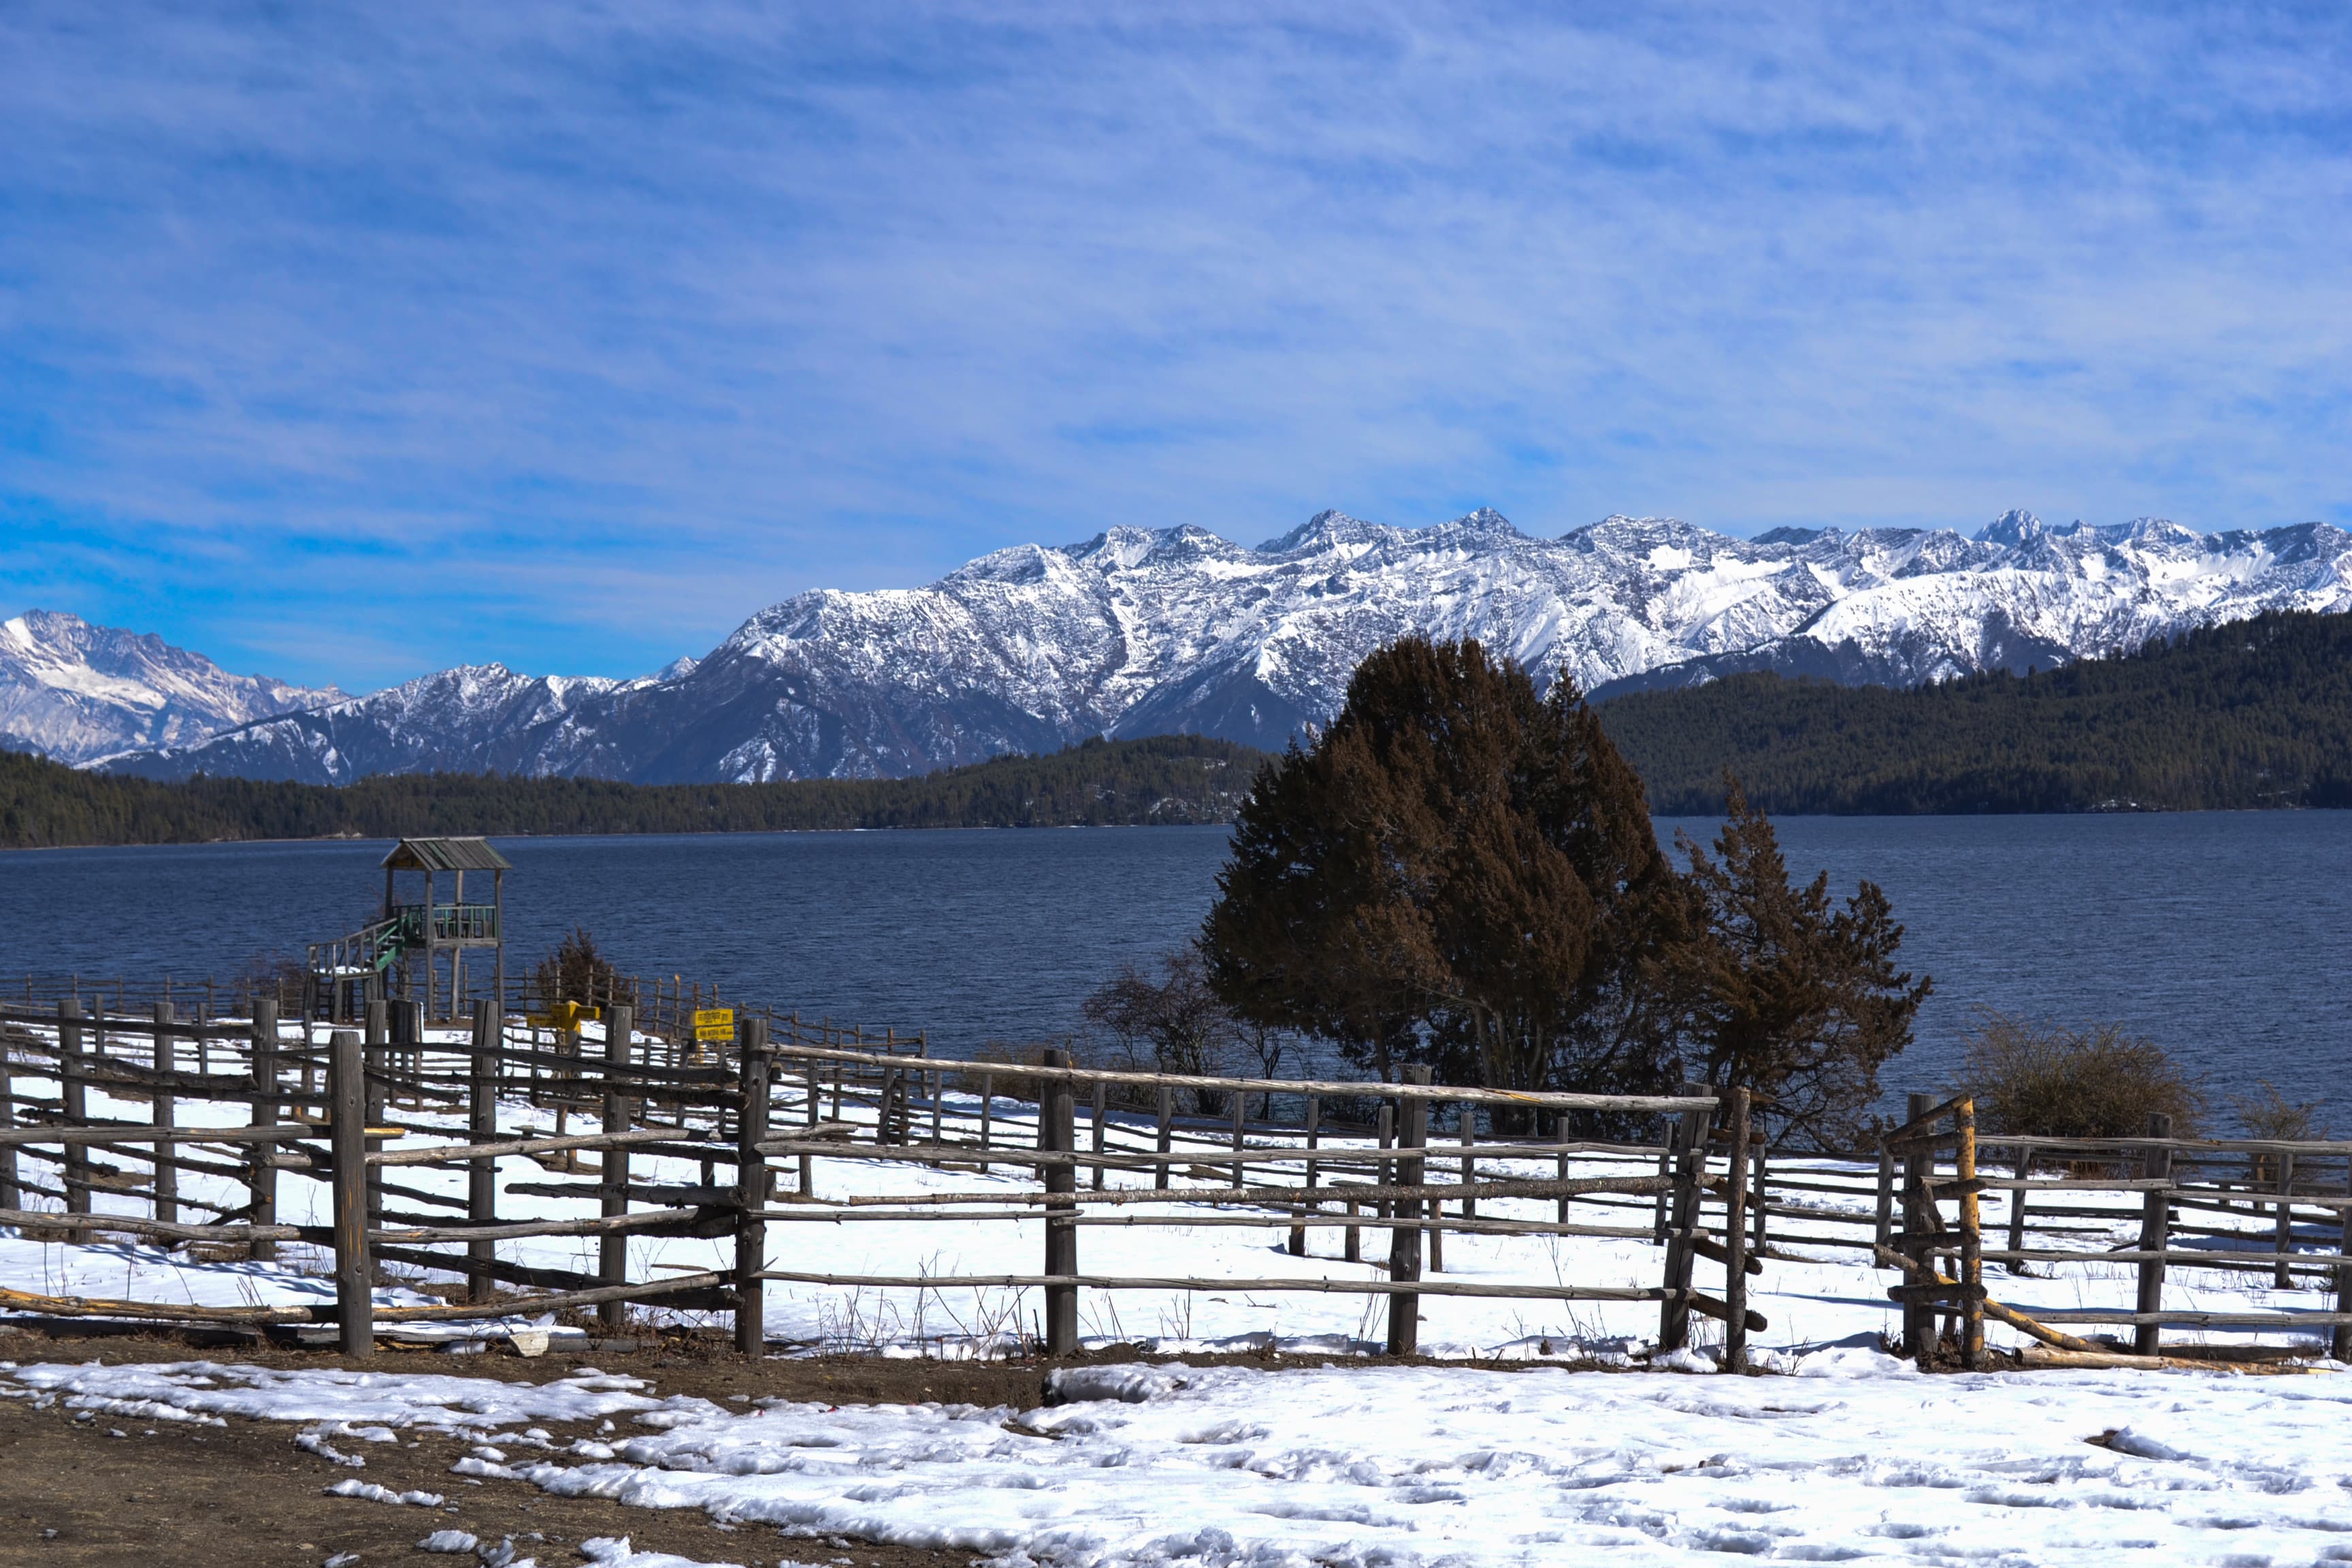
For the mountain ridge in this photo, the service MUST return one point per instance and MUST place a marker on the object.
(1137, 631)
(77, 692)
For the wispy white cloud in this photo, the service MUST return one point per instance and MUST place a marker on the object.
(374, 339)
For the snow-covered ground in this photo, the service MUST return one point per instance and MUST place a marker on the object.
(1854, 1457)
(1841, 1454)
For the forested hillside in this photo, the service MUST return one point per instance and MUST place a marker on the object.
(2253, 714)
(1163, 779)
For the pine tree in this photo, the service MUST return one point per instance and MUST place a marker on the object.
(1777, 989)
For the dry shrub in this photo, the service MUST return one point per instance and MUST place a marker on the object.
(2049, 1080)
(2271, 1114)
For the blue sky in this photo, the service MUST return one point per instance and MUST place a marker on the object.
(347, 342)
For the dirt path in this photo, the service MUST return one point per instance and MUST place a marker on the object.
(107, 1491)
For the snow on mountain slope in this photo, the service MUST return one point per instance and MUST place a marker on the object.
(474, 719)
(74, 691)
(1141, 632)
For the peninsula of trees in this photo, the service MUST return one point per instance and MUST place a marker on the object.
(1161, 779)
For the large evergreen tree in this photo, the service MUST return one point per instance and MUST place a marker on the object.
(1457, 870)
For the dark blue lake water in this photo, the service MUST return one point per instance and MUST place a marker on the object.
(2224, 936)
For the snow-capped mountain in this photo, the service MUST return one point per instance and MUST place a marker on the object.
(1137, 632)
(474, 719)
(74, 691)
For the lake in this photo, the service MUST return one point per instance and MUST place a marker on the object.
(2223, 936)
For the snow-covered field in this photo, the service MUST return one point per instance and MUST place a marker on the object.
(1854, 1457)
(1840, 1453)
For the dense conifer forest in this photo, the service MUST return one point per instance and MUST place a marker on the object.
(2251, 714)
(1163, 779)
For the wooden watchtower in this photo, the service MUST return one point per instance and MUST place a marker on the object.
(433, 937)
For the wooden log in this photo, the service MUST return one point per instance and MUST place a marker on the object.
(1891, 1258)
(354, 1285)
(2154, 1226)
(512, 1306)
(1924, 1111)
(1404, 1238)
(1735, 1239)
(752, 1181)
(1394, 1289)
(1745, 1323)
(129, 1225)
(1516, 1099)
(655, 1139)
(1056, 1134)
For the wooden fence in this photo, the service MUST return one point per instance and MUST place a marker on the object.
(1945, 1201)
(329, 1105)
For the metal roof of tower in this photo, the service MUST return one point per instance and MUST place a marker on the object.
(446, 855)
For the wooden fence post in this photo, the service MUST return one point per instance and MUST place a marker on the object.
(10, 1197)
(1404, 1237)
(1101, 1107)
(1241, 1111)
(354, 1281)
(1755, 1188)
(751, 1192)
(2155, 1230)
(1735, 1239)
(613, 1166)
(2283, 1278)
(1167, 1134)
(987, 1112)
(73, 1104)
(482, 1127)
(1972, 1291)
(1885, 1236)
(2339, 1344)
(1688, 1151)
(374, 1062)
(1561, 1135)
(1918, 1168)
(164, 1190)
(2021, 1167)
(261, 1163)
(1314, 1136)
(1057, 1134)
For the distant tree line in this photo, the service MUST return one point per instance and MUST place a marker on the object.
(2252, 714)
(1161, 779)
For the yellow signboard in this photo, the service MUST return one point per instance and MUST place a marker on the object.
(714, 1023)
(565, 1018)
